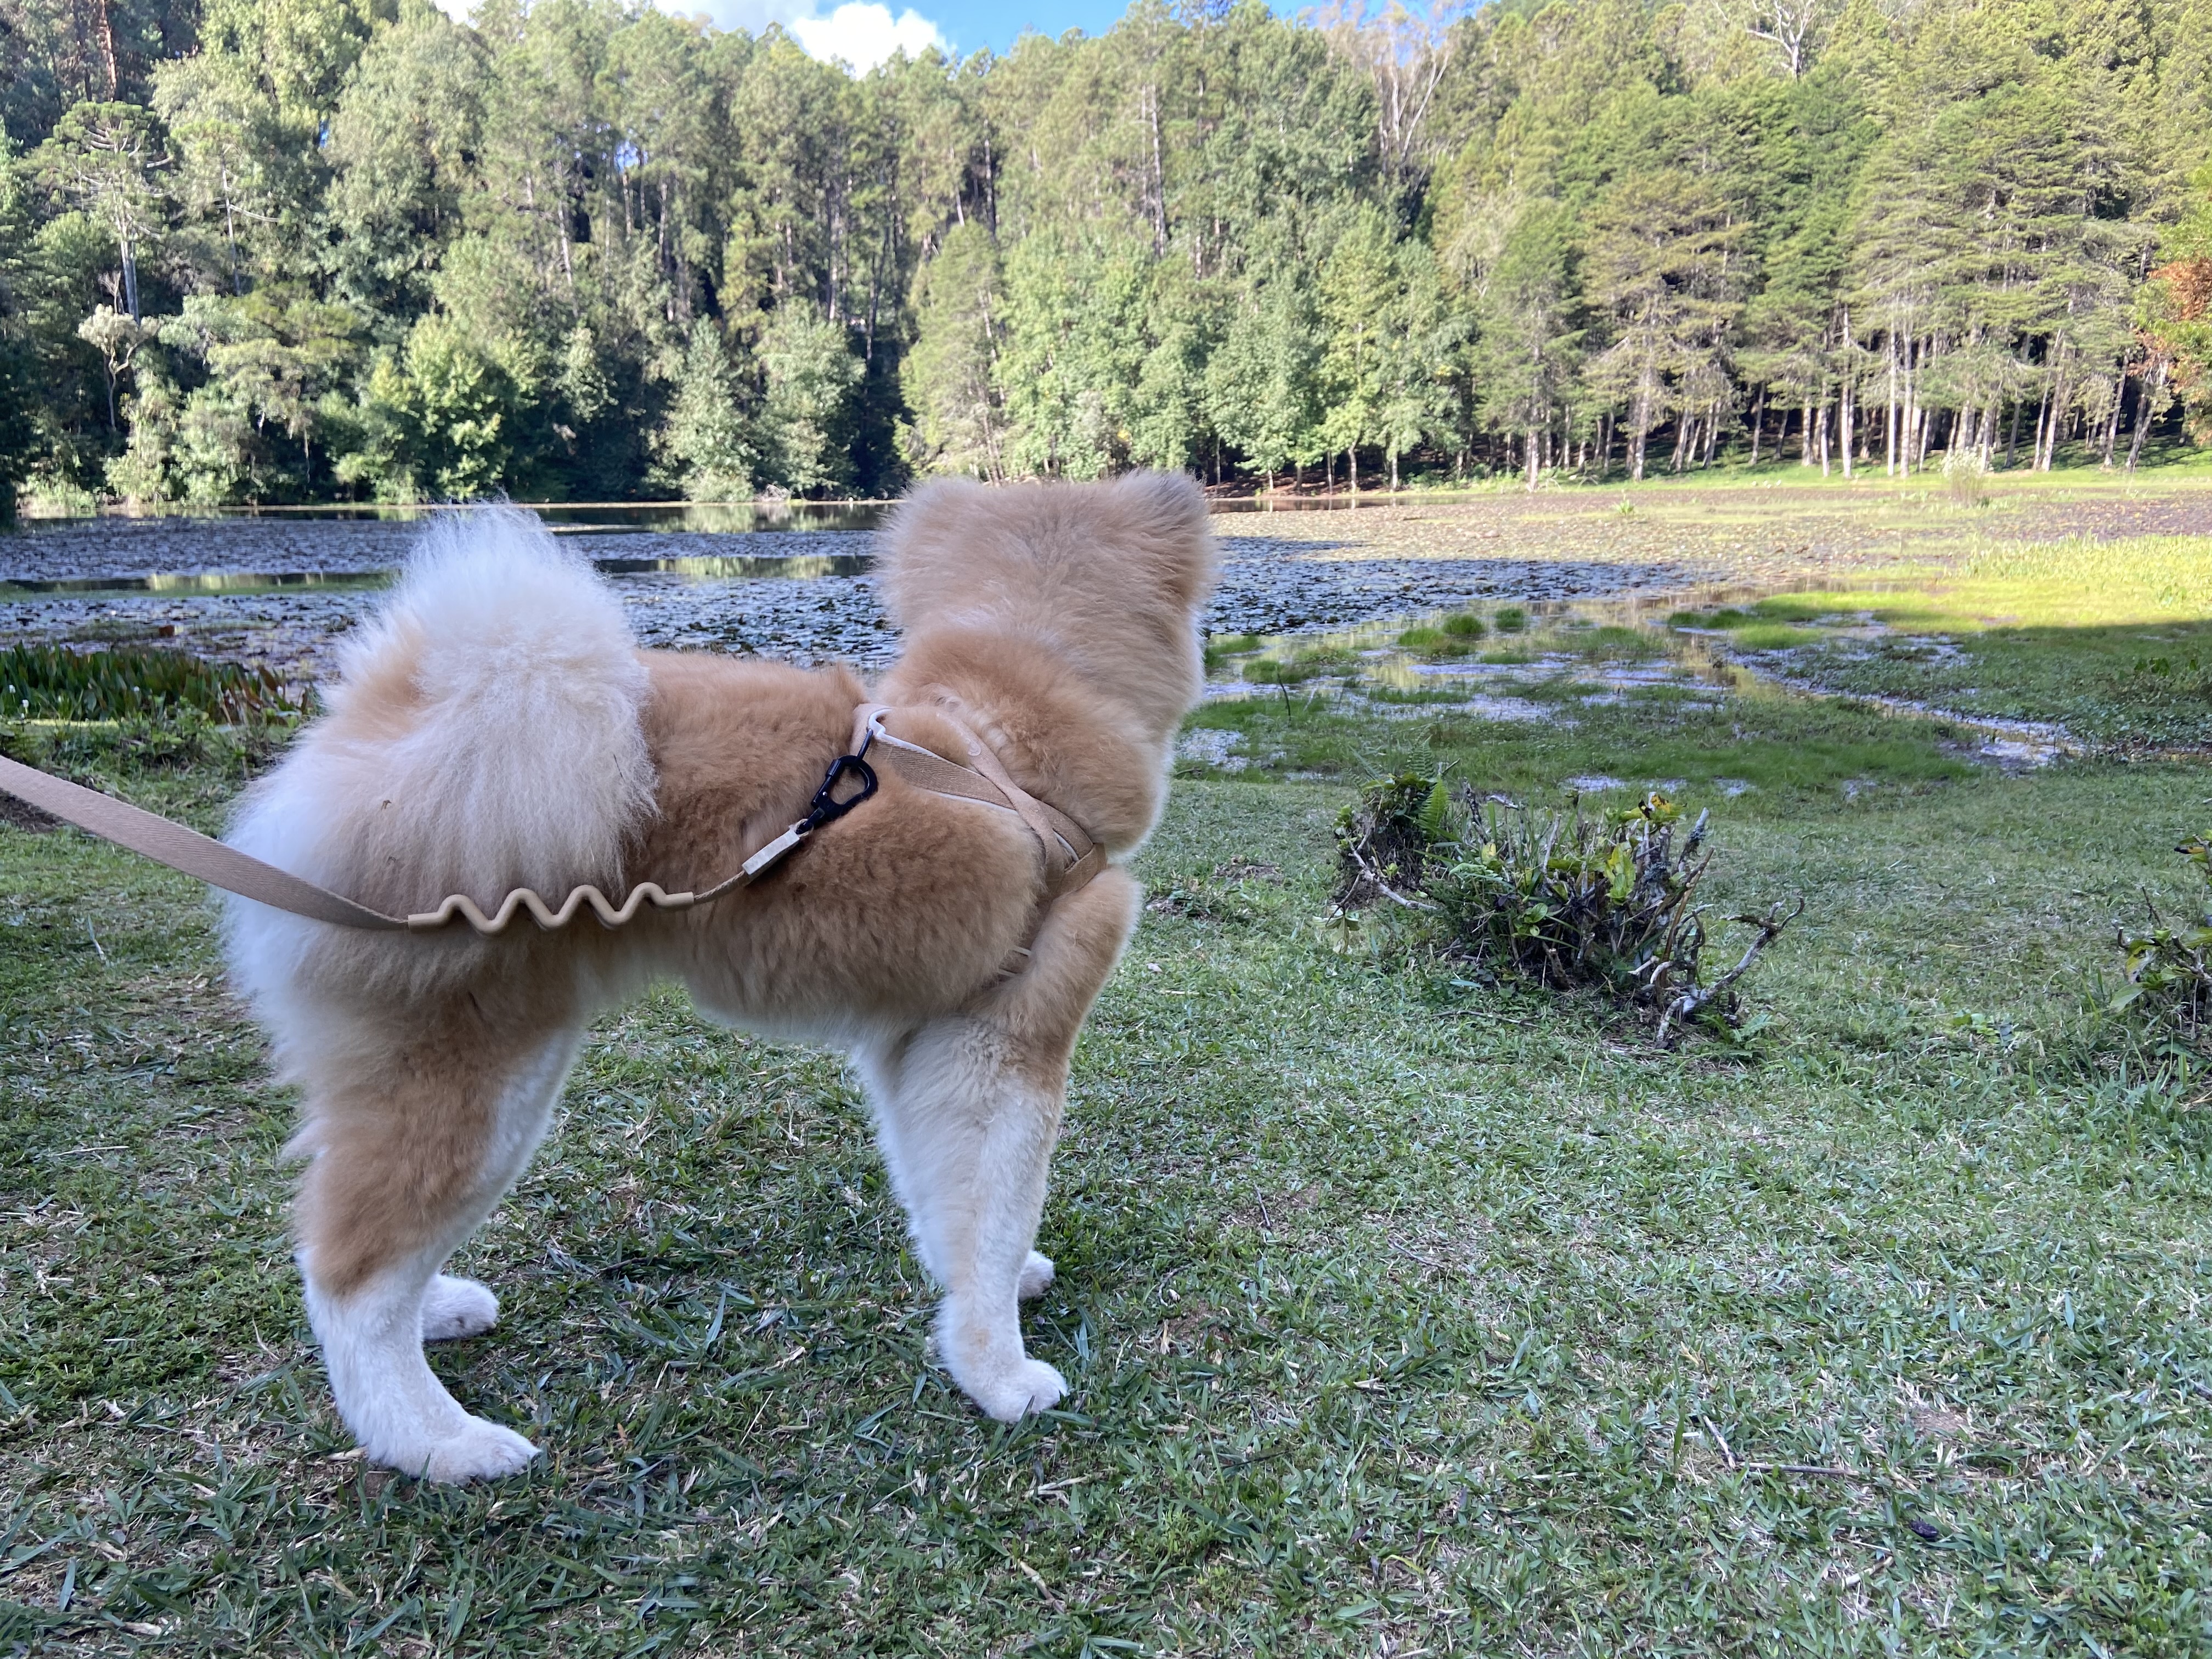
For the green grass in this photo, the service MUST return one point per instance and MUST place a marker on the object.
(1400, 1305)
(47, 681)
(1788, 747)
(2110, 640)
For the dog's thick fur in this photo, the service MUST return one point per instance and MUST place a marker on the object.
(497, 727)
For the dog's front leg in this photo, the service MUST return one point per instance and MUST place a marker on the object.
(968, 1108)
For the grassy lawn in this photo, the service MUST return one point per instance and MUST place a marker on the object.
(2113, 641)
(1403, 1311)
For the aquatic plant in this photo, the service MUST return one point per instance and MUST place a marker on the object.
(46, 682)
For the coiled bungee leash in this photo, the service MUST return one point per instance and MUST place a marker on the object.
(1071, 857)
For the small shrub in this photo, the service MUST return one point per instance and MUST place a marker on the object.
(1465, 626)
(1604, 901)
(1572, 901)
(1421, 639)
(1384, 838)
(2169, 965)
(46, 682)
(1510, 620)
(1965, 481)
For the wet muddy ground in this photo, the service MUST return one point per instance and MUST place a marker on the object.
(280, 591)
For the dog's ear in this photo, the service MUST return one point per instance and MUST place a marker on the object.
(1167, 512)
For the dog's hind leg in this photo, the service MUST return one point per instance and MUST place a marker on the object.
(411, 1150)
(968, 1108)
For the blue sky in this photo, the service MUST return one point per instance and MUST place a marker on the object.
(971, 24)
(864, 31)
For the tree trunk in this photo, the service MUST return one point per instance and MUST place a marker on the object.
(1758, 422)
(1889, 422)
(130, 276)
(2012, 437)
(2145, 395)
(1844, 417)
(104, 28)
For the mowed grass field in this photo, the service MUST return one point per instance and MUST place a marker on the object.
(1405, 1310)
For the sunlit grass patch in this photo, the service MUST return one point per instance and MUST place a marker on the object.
(1785, 746)
(1611, 644)
(1772, 636)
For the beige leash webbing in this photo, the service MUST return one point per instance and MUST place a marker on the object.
(209, 860)
(187, 850)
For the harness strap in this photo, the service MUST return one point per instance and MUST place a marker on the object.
(1071, 857)
(209, 860)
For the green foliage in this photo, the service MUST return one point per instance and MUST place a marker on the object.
(1221, 648)
(350, 247)
(710, 452)
(1602, 901)
(1386, 836)
(44, 682)
(2168, 965)
(1574, 902)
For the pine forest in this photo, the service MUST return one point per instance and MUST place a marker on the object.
(294, 250)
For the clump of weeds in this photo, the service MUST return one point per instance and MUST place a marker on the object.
(1572, 901)
(2167, 967)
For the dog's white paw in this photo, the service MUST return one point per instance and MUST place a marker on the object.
(478, 1451)
(1036, 1273)
(457, 1307)
(1030, 1387)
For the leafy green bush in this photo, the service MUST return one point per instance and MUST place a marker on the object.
(1510, 620)
(1383, 840)
(1574, 902)
(2169, 966)
(46, 682)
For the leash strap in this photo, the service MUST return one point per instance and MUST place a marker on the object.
(199, 855)
(209, 860)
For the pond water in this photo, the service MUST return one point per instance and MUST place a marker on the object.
(277, 589)
(1601, 649)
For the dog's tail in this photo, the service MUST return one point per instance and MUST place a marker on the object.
(484, 734)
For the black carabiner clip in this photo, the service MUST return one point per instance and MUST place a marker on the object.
(826, 807)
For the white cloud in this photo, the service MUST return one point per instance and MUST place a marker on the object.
(863, 34)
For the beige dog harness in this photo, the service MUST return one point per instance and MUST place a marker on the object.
(1071, 856)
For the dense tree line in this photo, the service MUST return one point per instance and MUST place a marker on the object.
(275, 249)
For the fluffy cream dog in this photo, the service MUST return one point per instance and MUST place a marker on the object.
(497, 727)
